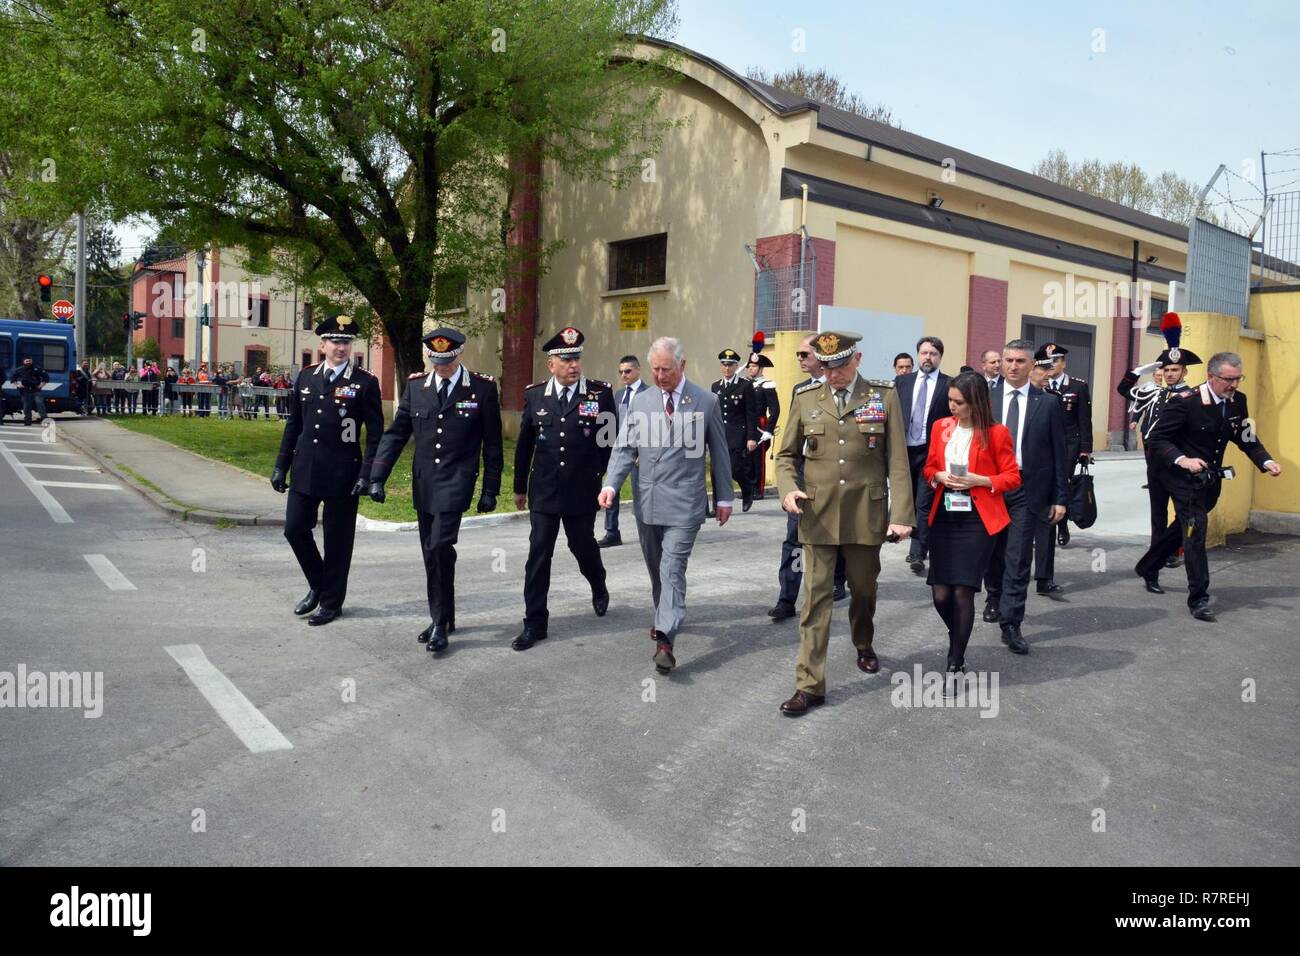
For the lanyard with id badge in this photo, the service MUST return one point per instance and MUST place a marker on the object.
(957, 500)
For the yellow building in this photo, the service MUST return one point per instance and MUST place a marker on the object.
(910, 236)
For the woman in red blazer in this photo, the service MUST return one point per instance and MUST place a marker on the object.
(971, 465)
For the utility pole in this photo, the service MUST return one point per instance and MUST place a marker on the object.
(79, 298)
(202, 313)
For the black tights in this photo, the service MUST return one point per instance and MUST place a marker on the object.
(956, 605)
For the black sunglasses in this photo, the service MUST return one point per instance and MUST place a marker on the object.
(802, 354)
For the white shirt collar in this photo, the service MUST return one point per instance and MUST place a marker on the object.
(453, 381)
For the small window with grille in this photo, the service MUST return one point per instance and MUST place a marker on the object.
(636, 263)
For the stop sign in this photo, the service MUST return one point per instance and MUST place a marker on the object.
(62, 310)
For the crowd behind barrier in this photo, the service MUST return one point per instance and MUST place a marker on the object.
(155, 390)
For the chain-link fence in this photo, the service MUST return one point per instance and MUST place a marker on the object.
(784, 296)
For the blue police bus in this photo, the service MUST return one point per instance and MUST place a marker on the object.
(52, 346)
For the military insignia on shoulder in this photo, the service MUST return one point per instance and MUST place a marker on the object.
(485, 377)
(596, 383)
(416, 375)
(810, 387)
(534, 385)
(881, 382)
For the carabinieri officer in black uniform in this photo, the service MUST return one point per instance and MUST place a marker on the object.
(566, 433)
(454, 414)
(739, 406)
(1188, 443)
(1076, 403)
(321, 454)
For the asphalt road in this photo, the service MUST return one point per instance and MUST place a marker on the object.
(487, 756)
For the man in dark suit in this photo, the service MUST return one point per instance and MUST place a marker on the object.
(991, 366)
(454, 414)
(321, 463)
(566, 431)
(629, 373)
(1189, 440)
(790, 573)
(924, 397)
(1038, 431)
(739, 407)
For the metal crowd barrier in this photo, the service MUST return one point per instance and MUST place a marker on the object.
(238, 401)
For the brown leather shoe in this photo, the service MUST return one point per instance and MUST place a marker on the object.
(868, 662)
(801, 703)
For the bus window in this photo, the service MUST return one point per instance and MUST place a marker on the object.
(49, 355)
(6, 355)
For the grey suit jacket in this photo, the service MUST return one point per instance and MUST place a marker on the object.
(669, 484)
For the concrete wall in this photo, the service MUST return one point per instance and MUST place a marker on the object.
(1273, 386)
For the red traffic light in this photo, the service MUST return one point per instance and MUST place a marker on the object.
(44, 282)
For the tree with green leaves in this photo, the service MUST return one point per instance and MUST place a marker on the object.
(823, 86)
(363, 146)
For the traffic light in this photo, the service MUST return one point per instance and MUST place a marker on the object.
(126, 322)
(44, 282)
(137, 321)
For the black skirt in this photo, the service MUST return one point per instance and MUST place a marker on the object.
(960, 548)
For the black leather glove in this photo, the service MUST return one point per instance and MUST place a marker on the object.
(377, 491)
(486, 503)
(278, 480)
(360, 487)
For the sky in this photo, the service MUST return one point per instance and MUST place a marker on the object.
(1181, 86)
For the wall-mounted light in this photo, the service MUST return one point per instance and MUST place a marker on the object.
(936, 202)
(1151, 259)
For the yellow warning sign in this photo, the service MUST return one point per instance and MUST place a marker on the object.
(634, 315)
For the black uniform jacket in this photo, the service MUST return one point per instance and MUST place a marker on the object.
(1192, 424)
(563, 450)
(739, 407)
(321, 446)
(448, 440)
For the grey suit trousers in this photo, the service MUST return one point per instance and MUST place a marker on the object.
(666, 550)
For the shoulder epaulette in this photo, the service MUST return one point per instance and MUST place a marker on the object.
(597, 382)
(483, 375)
(811, 386)
(1075, 378)
(416, 375)
(534, 385)
(1186, 393)
(768, 383)
(881, 382)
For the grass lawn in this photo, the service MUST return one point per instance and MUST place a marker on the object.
(253, 444)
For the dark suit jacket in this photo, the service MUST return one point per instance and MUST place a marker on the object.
(1042, 447)
(905, 387)
(321, 445)
(563, 449)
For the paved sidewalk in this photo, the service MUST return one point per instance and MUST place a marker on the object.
(189, 486)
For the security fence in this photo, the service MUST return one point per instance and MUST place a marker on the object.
(1281, 236)
(202, 401)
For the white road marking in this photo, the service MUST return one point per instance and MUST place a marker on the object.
(249, 724)
(109, 574)
(28, 451)
(52, 507)
(24, 441)
(41, 464)
(78, 484)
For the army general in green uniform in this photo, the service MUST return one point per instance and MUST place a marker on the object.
(848, 437)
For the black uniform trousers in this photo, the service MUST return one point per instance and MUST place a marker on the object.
(1192, 505)
(1007, 577)
(327, 574)
(790, 574)
(742, 471)
(924, 496)
(1158, 493)
(438, 535)
(1045, 548)
(580, 532)
(32, 399)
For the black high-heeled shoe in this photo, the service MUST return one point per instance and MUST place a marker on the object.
(952, 676)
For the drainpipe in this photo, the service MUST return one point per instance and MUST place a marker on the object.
(803, 241)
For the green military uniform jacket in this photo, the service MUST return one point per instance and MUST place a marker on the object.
(855, 468)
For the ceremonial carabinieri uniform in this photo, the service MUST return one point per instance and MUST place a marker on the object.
(768, 407)
(566, 434)
(1045, 532)
(1147, 401)
(453, 418)
(1076, 404)
(852, 447)
(739, 407)
(322, 455)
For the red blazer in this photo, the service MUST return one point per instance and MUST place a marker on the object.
(997, 462)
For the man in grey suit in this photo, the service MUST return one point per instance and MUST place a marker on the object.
(629, 373)
(664, 433)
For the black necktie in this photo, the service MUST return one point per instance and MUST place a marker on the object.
(443, 388)
(1013, 420)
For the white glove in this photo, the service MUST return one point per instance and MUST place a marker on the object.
(764, 436)
(1146, 369)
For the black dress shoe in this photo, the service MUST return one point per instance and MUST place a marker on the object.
(1062, 535)
(1011, 637)
(450, 624)
(991, 615)
(868, 662)
(324, 616)
(437, 639)
(1202, 612)
(527, 638)
(916, 564)
(600, 602)
(1153, 585)
(840, 593)
(1049, 587)
(610, 541)
(423, 636)
(746, 503)
(307, 604)
(801, 703)
(1172, 561)
(783, 611)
